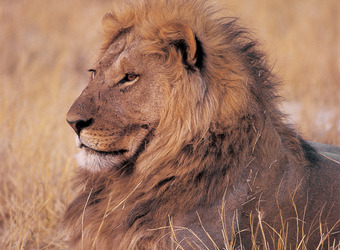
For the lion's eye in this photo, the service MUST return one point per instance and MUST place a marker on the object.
(130, 77)
(93, 73)
(128, 80)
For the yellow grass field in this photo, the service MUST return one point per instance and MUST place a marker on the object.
(46, 48)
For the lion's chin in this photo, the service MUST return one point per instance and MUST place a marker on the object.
(96, 161)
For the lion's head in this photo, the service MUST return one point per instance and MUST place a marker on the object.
(160, 79)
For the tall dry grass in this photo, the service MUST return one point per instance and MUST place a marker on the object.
(46, 48)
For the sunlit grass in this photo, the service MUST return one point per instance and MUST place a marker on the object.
(46, 48)
(35, 162)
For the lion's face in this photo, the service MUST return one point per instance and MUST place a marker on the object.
(116, 112)
(130, 90)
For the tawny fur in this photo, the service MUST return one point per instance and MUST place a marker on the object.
(219, 145)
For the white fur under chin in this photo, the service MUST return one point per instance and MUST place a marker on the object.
(97, 162)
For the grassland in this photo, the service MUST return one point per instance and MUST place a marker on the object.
(46, 48)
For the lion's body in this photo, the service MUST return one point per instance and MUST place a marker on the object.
(184, 143)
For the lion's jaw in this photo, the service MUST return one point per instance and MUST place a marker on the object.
(95, 161)
(96, 158)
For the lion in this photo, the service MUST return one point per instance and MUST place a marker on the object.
(182, 143)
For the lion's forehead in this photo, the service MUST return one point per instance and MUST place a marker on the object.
(125, 43)
(111, 55)
(119, 58)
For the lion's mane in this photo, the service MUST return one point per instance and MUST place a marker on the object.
(215, 125)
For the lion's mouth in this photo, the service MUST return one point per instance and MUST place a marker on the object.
(88, 149)
(116, 152)
(94, 159)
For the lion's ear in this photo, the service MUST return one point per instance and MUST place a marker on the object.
(108, 22)
(183, 38)
(109, 28)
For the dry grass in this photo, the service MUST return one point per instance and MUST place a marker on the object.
(46, 47)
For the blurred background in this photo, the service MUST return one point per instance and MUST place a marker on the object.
(46, 48)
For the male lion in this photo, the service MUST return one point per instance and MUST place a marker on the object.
(182, 143)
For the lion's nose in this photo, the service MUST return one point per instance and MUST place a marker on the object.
(78, 125)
